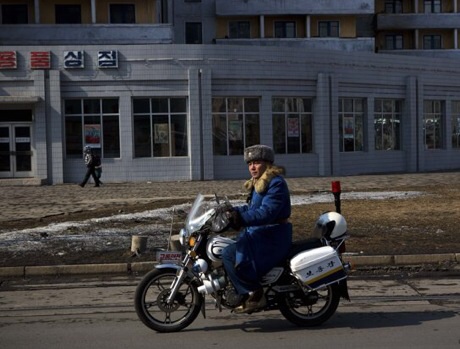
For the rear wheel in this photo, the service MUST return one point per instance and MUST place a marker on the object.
(311, 309)
(153, 309)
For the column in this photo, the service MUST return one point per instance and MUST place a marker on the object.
(323, 125)
(37, 11)
(93, 11)
(262, 26)
(456, 39)
(308, 27)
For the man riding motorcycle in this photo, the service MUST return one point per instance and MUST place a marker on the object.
(267, 236)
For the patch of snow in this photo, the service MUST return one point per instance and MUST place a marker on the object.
(88, 236)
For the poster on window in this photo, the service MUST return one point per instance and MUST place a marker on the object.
(93, 135)
(235, 130)
(161, 133)
(348, 129)
(293, 127)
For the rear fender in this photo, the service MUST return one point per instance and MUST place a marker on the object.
(343, 289)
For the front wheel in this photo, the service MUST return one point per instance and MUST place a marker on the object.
(311, 309)
(152, 308)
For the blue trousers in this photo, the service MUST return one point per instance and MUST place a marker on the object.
(228, 259)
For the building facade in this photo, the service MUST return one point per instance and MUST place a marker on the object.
(175, 90)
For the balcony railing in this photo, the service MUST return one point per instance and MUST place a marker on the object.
(85, 34)
(340, 44)
(292, 7)
(418, 21)
(445, 53)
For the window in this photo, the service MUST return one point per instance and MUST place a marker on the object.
(15, 14)
(285, 29)
(193, 33)
(432, 42)
(160, 127)
(394, 42)
(292, 125)
(93, 122)
(432, 6)
(235, 124)
(328, 29)
(67, 14)
(393, 6)
(122, 13)
(351, 117)
(387, 124)
(432, 124)
(239, 30)
(456, 124)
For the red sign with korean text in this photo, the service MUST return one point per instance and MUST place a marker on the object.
(40, 60)
(8, 60)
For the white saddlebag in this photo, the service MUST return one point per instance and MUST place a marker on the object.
(318, 267)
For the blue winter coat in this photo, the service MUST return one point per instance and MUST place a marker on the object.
(267, 239)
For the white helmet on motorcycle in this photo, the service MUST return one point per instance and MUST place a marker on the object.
(331, 225)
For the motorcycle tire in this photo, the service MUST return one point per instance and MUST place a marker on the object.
(311, 309)
(152, 309)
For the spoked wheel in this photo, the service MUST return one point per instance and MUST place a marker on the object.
(311, 309)
(151, 304)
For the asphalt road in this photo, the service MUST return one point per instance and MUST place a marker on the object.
(99, 313)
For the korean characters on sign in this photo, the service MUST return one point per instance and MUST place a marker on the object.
(74, 59)
(8, 60)
(107, 59)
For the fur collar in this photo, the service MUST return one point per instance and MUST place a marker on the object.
(261, 184)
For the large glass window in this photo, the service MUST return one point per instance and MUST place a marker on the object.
(432, 123)
(239, 30)
(456, 124)
(67, 14)
(235, 124)
(328, 29)
(387, 124)
(122, 13)
(292, 125)
(160, 127)
(93, 122)
(14, 14)
(351, 128)
(285, 29)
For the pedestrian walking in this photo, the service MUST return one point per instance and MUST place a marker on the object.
(98, 167)
(90, 162)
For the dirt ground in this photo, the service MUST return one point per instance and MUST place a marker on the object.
(428, 223)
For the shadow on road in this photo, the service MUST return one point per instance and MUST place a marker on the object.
(353, 320)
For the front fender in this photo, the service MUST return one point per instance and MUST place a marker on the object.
(195, 280)
(168, 265)
(177, 267)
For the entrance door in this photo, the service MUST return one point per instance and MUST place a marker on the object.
(15, 151)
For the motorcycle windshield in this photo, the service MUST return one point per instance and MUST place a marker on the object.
(199, 214)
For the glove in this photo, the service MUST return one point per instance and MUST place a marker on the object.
(234, 219)
(224, 208)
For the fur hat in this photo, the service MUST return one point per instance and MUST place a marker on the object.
(259, 152)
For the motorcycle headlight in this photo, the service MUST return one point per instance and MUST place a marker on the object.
(184, 236)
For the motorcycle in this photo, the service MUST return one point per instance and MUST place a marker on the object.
(306, 288)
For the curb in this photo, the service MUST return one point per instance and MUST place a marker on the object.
(143, 267)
